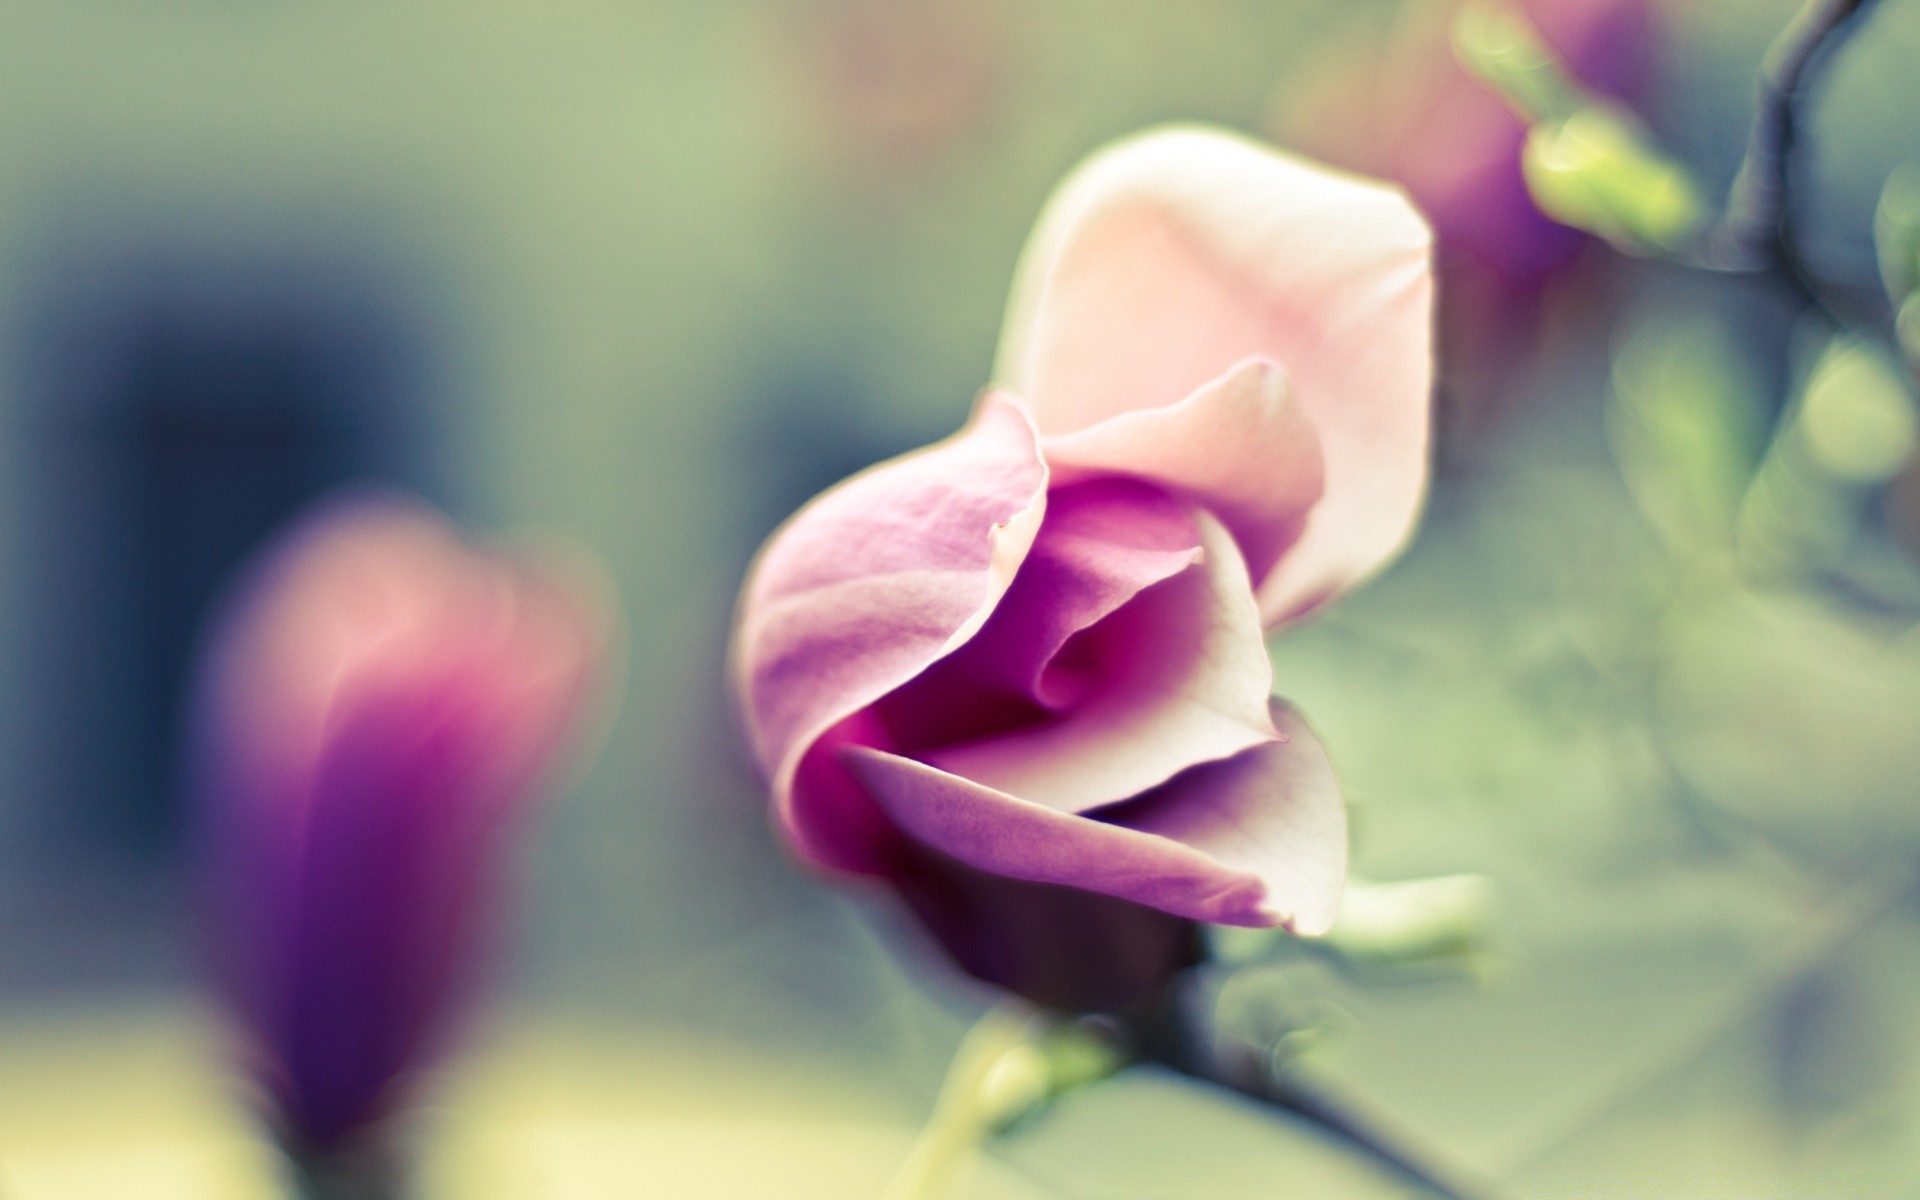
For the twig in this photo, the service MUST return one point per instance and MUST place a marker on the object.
(1839, 923)
(1340, 1119)
(1173, 1035)
(1759, 232)
(1762, 212)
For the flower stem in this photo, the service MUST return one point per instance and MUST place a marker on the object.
(943, 1146)
(998, 1073)
(356, 1175)
(1366, 1136)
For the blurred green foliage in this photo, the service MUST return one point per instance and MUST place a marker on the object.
(1595, 171)
(1685, 422)
(1587, 163)
(1497, 43)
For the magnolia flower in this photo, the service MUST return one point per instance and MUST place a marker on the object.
(1020, 675)
(376, 704)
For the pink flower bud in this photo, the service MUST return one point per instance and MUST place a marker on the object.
(1021, 675)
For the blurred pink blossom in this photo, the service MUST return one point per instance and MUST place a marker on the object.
(1021, 674)
(376, 704)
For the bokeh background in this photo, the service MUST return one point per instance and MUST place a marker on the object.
(645, 275)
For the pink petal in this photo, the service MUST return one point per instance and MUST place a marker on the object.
(1186, 678)
(1241, 445)
(1259, 839)
(872, 582)
(1102, 543)
(1005, 835)
(1173, 255)
(1274, 812)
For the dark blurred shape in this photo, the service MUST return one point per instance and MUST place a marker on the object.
(1826, 1065)
(1409, 112)
(1064, 949)
(180, 401)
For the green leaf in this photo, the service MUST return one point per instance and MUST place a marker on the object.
(1010, 1065)
(1587, 164)
(1439, 923)
(1595, 170)
(1504, 51)
(1388, 931)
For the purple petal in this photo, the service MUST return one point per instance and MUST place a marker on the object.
(1258, 839)
(374, 704)
(1005, 835)
(1274, 812)
(1102, 543)
(865, 588)
(1241, 445)
(1184, 679)
(403, 834)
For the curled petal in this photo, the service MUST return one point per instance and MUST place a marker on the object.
(1241, 445)
(1103, 542)
(1004, 835)
(1185, 679)
(1175, 254)
(870, 584)
(1274, 812)
(1257, 839)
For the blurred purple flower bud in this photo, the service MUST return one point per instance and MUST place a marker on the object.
(376, 703)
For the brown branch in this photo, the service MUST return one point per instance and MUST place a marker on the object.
(1173, 1034)
(1759, 233)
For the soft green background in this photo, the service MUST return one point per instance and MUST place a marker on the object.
(678, 287)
